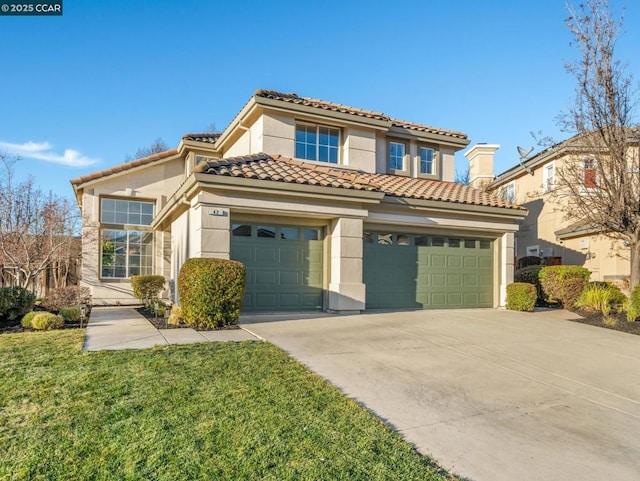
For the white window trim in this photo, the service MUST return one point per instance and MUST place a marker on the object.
(545, 176)
(510, 186)
(405, 163)
(434, 163)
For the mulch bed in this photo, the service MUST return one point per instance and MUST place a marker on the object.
(597, 319)
(10, 328)
(161, 322)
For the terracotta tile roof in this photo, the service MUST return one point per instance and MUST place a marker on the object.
(208, 137)
(323, 104)
(123, 167)
(284, 169)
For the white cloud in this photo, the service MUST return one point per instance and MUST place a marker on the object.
(44, 151)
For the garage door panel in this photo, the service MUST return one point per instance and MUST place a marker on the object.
(283, 272)
(454, 261)
(438, 261)
(265, 254)
(454, 280)
(470, 262)
(470, 280)
(264, 278)
(485, 262)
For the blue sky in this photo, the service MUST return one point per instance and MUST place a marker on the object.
(81, 91)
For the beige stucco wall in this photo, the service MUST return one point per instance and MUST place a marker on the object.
(155, 182)
(606, 258)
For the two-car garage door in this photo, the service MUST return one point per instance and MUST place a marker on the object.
(401, 271)
(420, 271)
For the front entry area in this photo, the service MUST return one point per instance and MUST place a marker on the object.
(405, 271)
(284, 266)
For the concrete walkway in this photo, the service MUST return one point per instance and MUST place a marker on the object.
(124, 328)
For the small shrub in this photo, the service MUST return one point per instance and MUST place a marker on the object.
(15, 302)
(147, 288)
(61, 297)
(633, 306)
(70, 314)
(601, 296)
(563, 283)
(44, 321)
(28, 318)
(175, 316)
(521, 296)
(211, 291)
(530, 275)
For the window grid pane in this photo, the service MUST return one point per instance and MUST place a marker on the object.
(126, 253)
(396, 156)
(426, 160)
(118, 211)
(314, 142)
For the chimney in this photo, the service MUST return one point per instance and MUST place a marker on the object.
(481, 164)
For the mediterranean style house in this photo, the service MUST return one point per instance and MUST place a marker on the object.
(329, 207)
(548, 232)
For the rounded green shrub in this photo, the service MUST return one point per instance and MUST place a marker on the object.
(521, 296)
(530, 275)
(45, 321)
(28, 318)
(175, 316)
(563, 284)
(70, 314)
(15, 302)
(147, 288)
(211, 291)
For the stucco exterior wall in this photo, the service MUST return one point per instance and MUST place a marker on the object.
(607, 259)
(359, 149)
(151, 183)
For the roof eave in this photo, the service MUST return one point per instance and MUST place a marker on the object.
(516, 213)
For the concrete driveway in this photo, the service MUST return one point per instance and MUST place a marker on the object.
(491, 395)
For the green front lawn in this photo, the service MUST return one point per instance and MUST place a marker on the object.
(208, 411)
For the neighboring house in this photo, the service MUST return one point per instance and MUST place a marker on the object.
(329, 207)
(548, 231)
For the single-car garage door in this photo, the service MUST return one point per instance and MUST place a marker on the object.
(284, 266)
(427, 272)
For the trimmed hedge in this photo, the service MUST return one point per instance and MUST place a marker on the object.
(15, 302)
(530, 275)
(211, 291)
(70, 314)
(147, 288)
(564, 283)
(521, 296)
(44, 321)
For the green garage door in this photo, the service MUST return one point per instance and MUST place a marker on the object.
(427, 272)
(284, 266)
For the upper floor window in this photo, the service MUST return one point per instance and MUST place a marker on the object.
(426, 160)
(549, 177)
(508, 192)
(396, 156)
(316, 142)
(118, 211)
(590, 180)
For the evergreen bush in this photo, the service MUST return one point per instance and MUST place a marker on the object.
(563, 284)
(147, 288)
(521, 296)
(15, 302)
(211, 291)
(44, 321)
